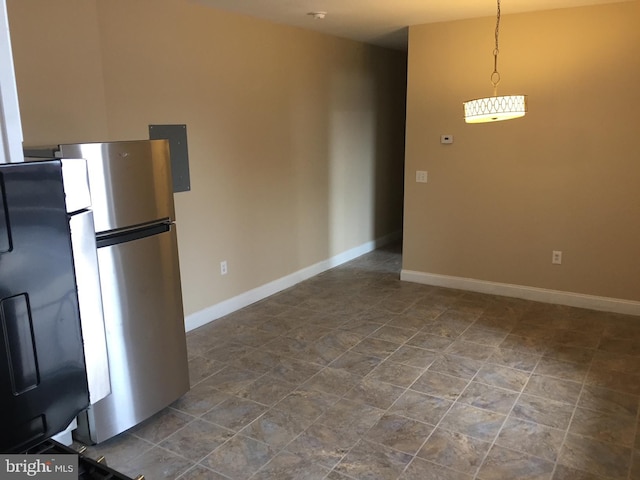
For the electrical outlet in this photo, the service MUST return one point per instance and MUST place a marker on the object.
(556, 257)
(223, 267)
(421, 176)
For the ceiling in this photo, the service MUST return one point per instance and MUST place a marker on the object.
(380, 22)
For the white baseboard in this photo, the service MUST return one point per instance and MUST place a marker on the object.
(591, 302)
(226, 307)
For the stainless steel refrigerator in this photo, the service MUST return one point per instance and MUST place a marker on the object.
(131, 191)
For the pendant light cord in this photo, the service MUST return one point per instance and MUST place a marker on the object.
(495, 76)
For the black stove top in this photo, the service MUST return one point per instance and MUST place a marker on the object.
(88, 469)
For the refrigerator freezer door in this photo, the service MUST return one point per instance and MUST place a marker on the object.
(130, 181)
(144, 321)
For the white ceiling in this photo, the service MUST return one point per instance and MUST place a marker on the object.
(381, 22)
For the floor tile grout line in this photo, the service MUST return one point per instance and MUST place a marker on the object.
(575, 408)
(506, 418)
(453, 403)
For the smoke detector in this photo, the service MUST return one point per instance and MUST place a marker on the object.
(317, 15)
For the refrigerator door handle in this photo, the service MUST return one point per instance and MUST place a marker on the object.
(121, 236)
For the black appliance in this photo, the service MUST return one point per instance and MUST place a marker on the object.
(50, 328)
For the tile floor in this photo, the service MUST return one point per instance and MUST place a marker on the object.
(356, 375)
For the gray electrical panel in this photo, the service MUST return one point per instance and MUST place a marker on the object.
(177, 136)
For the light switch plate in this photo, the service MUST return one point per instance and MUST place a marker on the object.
(421, 176)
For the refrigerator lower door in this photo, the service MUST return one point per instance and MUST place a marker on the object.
(144, 323)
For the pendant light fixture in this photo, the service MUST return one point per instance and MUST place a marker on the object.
(495, 109)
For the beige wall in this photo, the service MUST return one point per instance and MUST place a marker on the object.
(56, 50)
(566, 177)
(295, 138)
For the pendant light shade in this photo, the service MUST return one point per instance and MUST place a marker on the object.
(496, 108)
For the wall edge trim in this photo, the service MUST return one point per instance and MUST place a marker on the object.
(214, 312)
(592, 302)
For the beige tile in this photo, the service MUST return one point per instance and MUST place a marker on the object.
(232, 379)
(456, 366)
(618, 429)
(161, 425)
(540, 332)
(506, 308)
(375, 347)
(413, 356)
(339, 340)
(605, 459)
(307, 333)
(616, 361)
(234, 413)
(502, 377)
(565, 370)
(563, 472)
(276, 428)
(613, 380)
(528, 345)
(198, 472)
(120, 450)
(374, 393)
(400, 433)
(472, 421)
(544, 411)
(471, 350)
(489, 337)
(157, 463)
(455, 451)
(307, 403)
(366, 457)
(608, 401)
(201, 368)
(266, 390)
(335, 381)
(395, 373)
(504, 464)
(200, 399)
(553, 388)
(629, 346)
(440, 385)
(532, 438)
(287, 465)
(489, 398)
(420, 406)
(498, 324)
(197, 440)
(568, 353)
(294, 371)
(430, 341)
(351, 416)
(393, 334)
(230, 350)
(239, 457)
(507, 357)
(576, 338)
(420, 469)
(414, 318)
